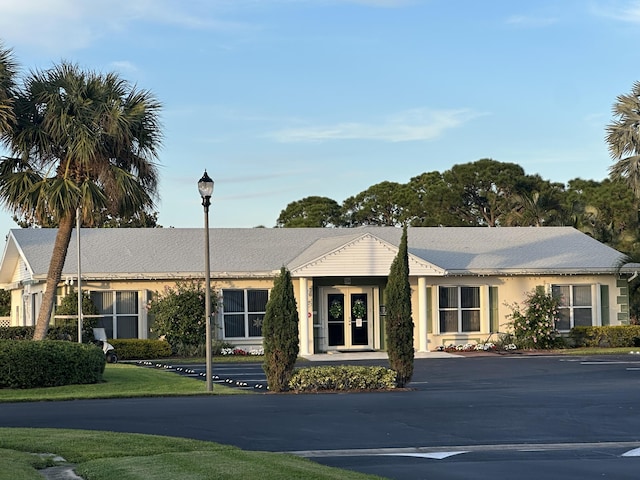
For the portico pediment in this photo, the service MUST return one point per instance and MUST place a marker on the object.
(355, 255)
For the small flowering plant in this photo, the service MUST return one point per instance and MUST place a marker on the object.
(472, 347)
(241, 352)
(534, 322)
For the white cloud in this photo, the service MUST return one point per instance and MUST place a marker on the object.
(124, 66)
(622, 11)
(530, 21)
(412, 125)
(381, 3)
(61, 26)
(66, 25)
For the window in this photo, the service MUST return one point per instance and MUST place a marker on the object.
(243, 312)
(575, 306)
(119, 313)
(459, 309)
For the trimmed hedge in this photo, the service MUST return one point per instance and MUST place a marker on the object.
(49, 363)
(610, 336)
(66, 332)
(342, 377)
(135, 349)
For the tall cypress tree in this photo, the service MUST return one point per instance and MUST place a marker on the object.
(399, 323)
(280, 333)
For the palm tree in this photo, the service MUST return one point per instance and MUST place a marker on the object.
(623, 138)
(7, 88)
(82, 140)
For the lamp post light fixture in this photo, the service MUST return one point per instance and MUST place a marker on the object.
(205, 187)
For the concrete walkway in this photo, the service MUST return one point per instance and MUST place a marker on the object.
(345, 356)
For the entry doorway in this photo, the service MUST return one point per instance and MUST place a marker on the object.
(349, 317)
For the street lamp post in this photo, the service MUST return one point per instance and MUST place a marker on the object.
(205, 187)
(78, 225)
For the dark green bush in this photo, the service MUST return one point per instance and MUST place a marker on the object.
(49, 363)
(609, 336)
(178, 315)
(399, 321)
(280, 333)
(342, 377)
(135, 349)
(64, 332)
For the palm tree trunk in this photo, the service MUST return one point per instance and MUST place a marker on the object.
(58, 256)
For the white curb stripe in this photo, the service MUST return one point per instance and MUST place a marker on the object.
(433, 455)
(632, 453)
(436, 450)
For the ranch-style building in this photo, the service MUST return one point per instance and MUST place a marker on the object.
(463, 279)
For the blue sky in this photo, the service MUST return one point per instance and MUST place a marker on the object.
(284, 99)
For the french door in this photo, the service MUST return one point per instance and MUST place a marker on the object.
(349, 316)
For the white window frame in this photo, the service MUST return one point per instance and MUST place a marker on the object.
(115, 314)
(246, 313)
(570, 303)
(460, 309)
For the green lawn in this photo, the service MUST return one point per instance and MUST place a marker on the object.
(122, 380)
(595, 351)
(109, 455)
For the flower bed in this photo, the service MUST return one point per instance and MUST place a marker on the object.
(242, 352)
(474, 347)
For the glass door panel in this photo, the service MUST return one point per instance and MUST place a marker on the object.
(335, 307)
(359, 319)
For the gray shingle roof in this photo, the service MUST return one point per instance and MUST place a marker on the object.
(168, 252)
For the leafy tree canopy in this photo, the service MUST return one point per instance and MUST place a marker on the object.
(311, 212)
(80, 139)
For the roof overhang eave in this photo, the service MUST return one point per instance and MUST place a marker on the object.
(161, 275)
(539, 272)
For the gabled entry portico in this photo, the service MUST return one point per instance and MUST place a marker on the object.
(340, 276)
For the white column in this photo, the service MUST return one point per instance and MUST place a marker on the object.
(423, 343)
(303, 315)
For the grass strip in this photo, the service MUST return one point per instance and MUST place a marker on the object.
(17, 465)
(594, 351)
(121, 381)
(108, 455)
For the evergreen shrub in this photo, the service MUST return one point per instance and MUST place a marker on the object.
(137, 349)
(399, 321)
(49, 363)
(342, 377)
(607, 336)
(178, 316)
(55, 332)
(280, 333)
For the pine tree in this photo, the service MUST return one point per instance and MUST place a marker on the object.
(280, 333)
(399, 323)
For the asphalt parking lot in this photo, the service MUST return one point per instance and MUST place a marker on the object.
(513, 416)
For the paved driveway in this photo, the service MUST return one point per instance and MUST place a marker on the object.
(511, 417)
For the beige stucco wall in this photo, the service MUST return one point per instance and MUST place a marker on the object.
(512, 289)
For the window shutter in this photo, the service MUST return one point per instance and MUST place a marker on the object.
(604, 305)
(494, 323)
